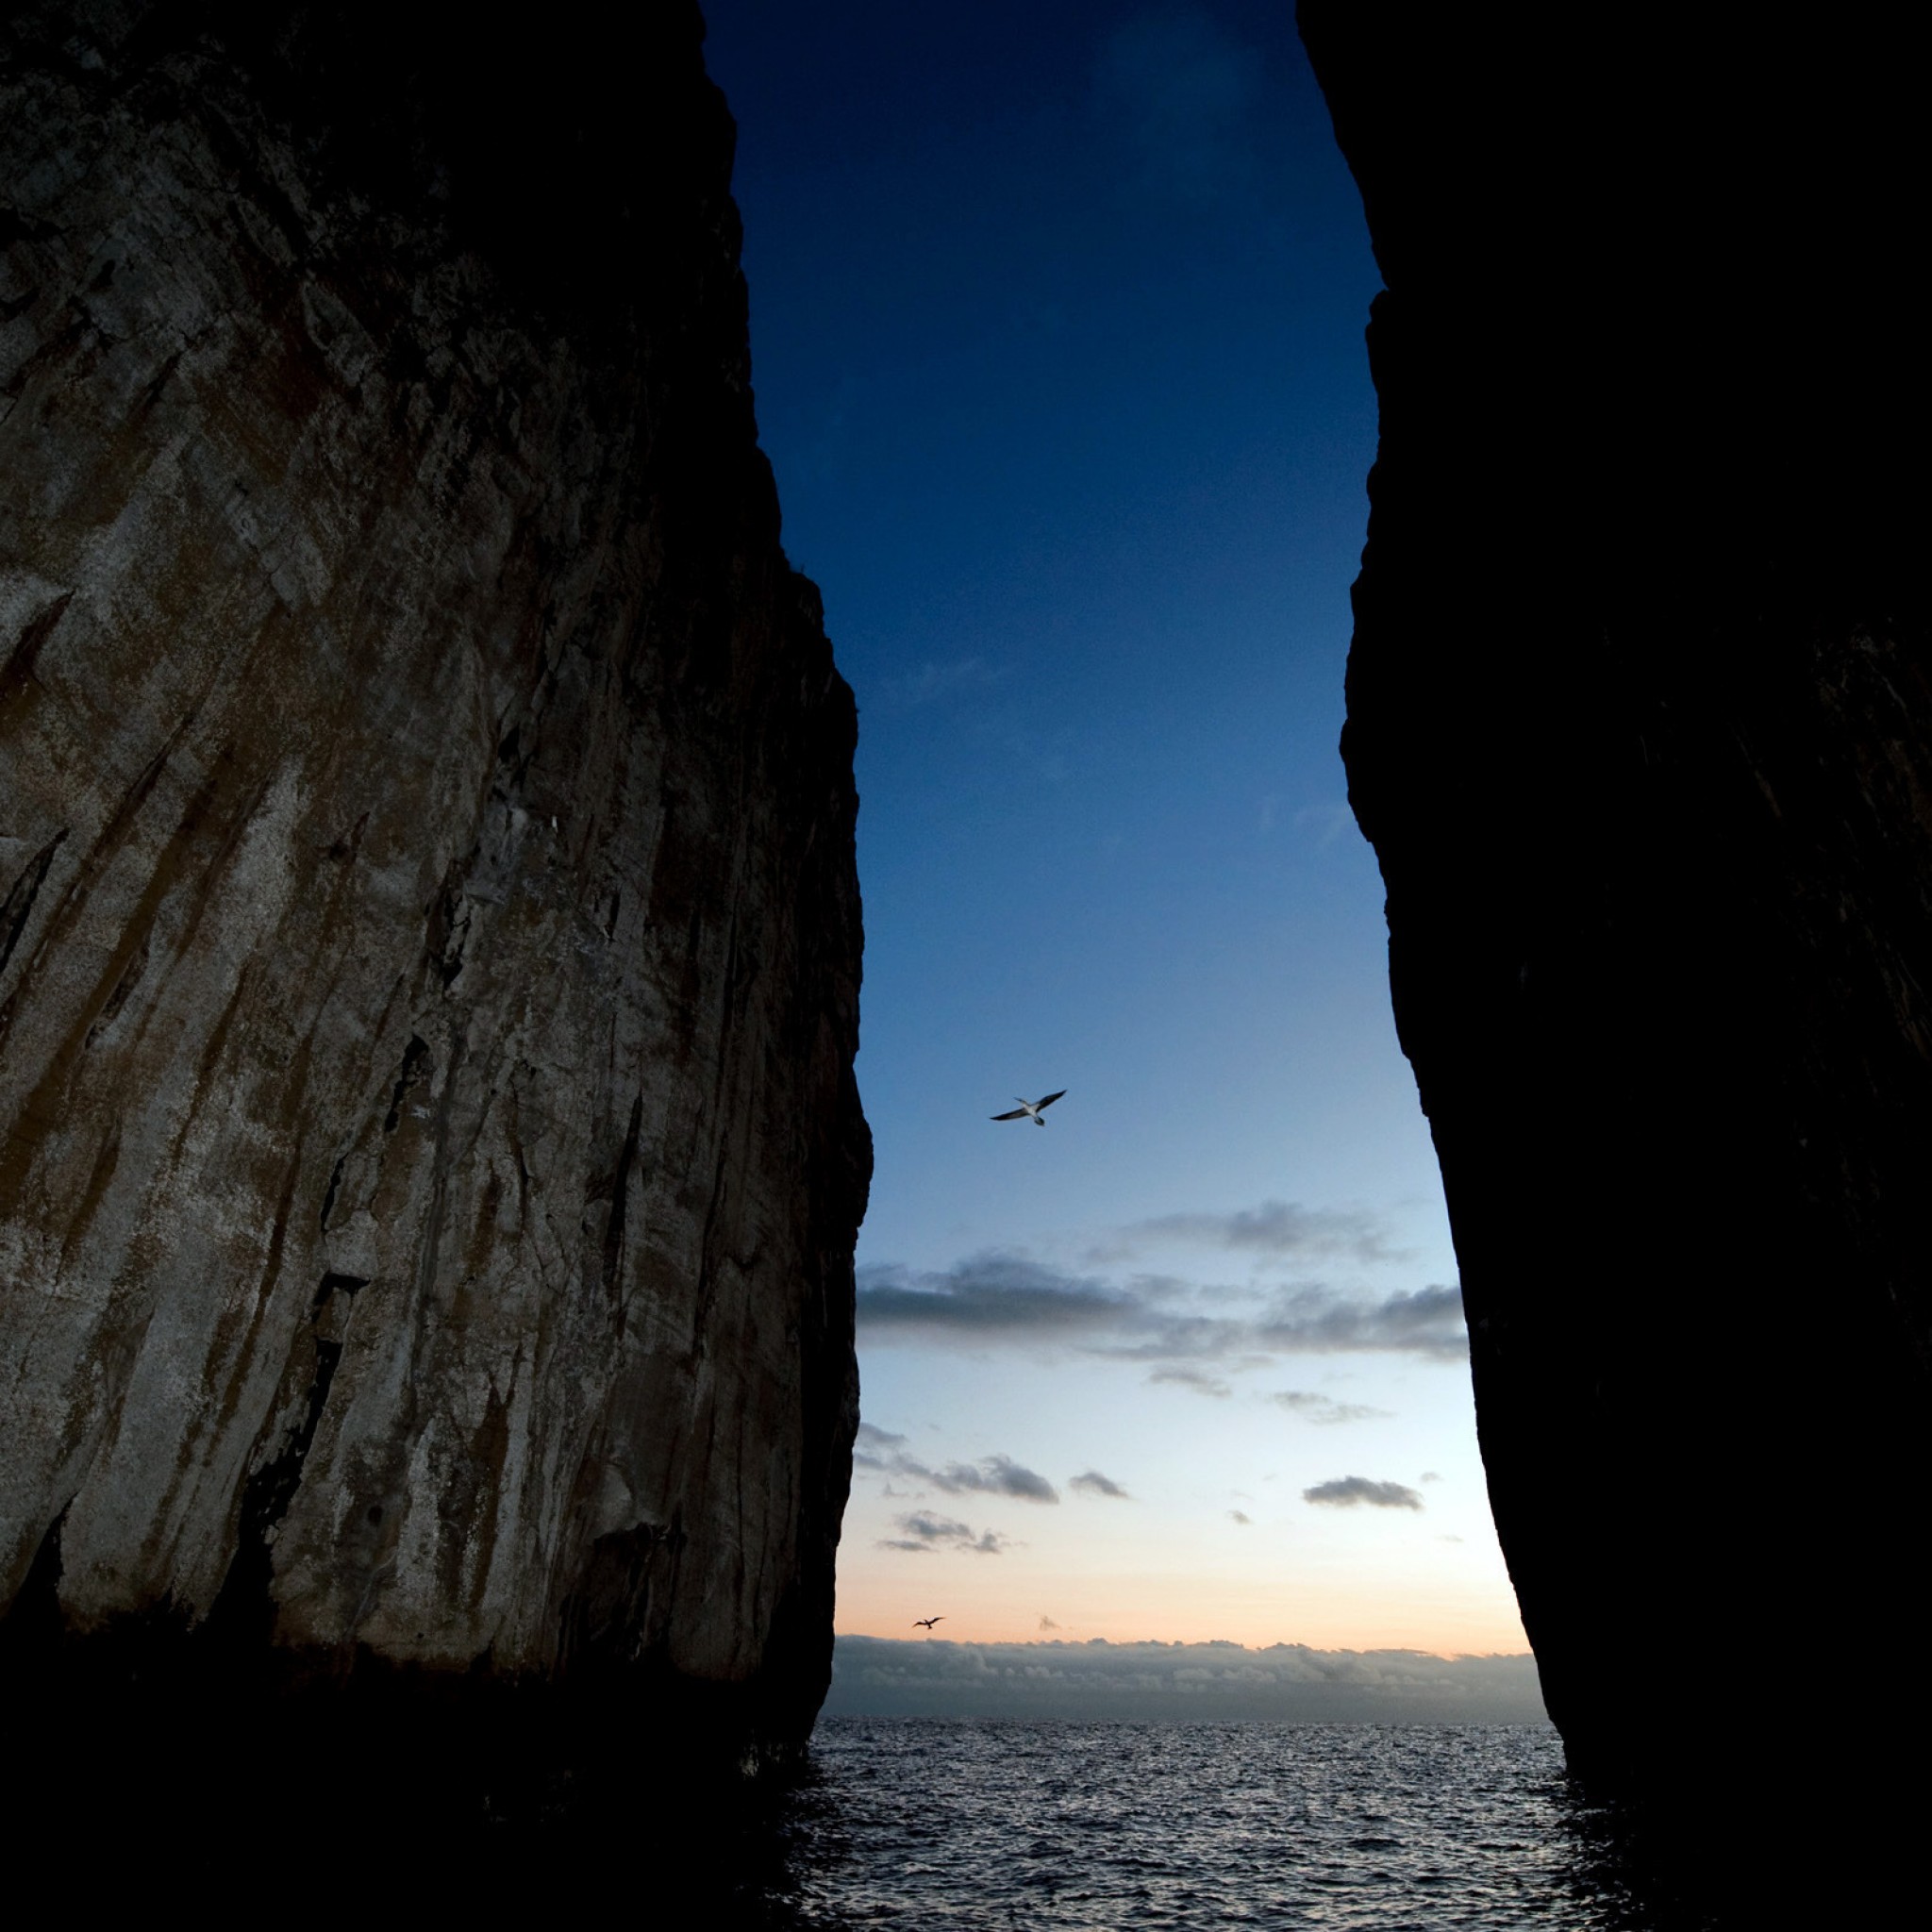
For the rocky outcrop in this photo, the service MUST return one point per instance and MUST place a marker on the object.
(1639, 724)
(429, 1156)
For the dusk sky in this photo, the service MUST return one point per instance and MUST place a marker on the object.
(1056, 335)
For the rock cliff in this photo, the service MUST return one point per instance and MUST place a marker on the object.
(1639, 724)
(429, 938)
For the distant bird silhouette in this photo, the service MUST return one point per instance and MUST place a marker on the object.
(926, 1624)
(1029, 1110)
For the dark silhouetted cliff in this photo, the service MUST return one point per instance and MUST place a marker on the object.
(1640, 726)
(429, 1157)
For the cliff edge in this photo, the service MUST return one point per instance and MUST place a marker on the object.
(429, 936)
(1639, 724)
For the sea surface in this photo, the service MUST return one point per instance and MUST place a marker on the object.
(924, 1823)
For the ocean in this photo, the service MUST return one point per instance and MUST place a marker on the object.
(1102, 1828)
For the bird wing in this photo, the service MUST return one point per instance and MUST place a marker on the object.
(1051, 1098)
(1019, 1114)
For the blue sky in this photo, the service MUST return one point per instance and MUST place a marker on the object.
(1056, 335)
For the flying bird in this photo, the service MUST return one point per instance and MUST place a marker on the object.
(1029, 1110)
(926, 1624)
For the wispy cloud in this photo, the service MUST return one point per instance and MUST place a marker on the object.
(934, 683)
(1327, 825)
(1350, 1491)
(1239, 1516)
(1094, 1483)
(1280, 1231)
(1314, 1407)
(1004, 1299)
(1199, 1380)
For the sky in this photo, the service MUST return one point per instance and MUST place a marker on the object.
(1056, 339)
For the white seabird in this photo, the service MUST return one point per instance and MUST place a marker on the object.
(1029, 1110)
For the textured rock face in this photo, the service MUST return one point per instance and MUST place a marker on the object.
(1640, 726)
(429, 1159)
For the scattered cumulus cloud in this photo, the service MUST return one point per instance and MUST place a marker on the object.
(923, 1531)
(1094, 1483)
(994, 1475)
(874, 1449)
(991, 1475)
(1348, 1491)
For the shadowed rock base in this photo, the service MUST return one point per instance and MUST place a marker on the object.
(150, 1759)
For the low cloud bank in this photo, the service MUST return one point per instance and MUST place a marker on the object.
(1153, 1683)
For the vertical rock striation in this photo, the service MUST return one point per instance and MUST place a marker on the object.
(1639, 723)
(429, 939)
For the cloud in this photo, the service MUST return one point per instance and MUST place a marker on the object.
(935, 683)
(1239, 1516)
(1275, 1228)
(1312, 1408)
(1346, 1491)
(993, 1475)
(1428, 1322)
(1008, 1300)
(1094, 1483)
(933, 1529)
(991, 1297)
(1330, 823)
(924, 1531)
(872, 1447)
(1048, 1624)
(875, 1676)
(1199, 1380)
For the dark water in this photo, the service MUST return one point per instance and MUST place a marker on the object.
(920, 1823)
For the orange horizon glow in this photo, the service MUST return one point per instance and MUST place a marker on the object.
(1255, 1616)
